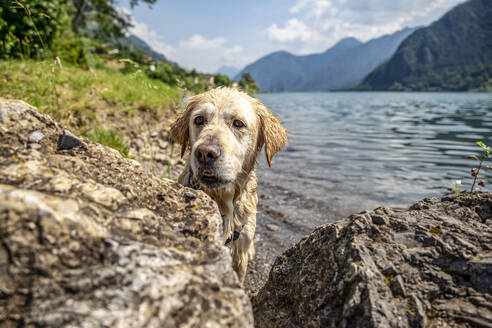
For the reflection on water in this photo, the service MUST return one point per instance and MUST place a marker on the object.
(361, 150)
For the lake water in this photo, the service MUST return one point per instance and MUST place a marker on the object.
(350, 151)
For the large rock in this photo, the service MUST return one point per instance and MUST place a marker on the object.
(88, 239)
(429, 266)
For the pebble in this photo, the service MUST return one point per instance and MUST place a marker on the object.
(35, 146)
(190, 195)
(2, 111)
(163, 144)
(68, 141)
(272, 227)
(36, 137)
(135, 163)
(162, 158)
(139, 144)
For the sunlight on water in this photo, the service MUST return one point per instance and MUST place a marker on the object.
(369, 149)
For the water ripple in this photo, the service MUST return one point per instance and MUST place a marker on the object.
(391, 148)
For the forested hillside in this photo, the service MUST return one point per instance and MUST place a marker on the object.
(454, 53)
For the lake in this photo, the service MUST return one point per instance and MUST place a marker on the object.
(350, 151)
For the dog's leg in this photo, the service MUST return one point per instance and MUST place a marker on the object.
(243, 247)
(226, 208)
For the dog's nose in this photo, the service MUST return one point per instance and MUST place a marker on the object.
(207, 153)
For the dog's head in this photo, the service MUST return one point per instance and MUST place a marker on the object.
(225, 129)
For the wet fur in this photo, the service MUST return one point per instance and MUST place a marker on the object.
(238, 200)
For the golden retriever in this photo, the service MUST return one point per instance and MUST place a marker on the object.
(225, 129)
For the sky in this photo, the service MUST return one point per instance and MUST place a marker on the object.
(206, 35)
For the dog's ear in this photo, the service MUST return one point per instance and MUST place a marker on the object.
(272, 134)
(180, 129)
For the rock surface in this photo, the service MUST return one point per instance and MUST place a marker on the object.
(88, 239)
(430, 266)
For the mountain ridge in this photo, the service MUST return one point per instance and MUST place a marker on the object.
(454, 53)
(292, 67)
(351, 67)
(342, 66)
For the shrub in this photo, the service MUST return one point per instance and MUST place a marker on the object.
(74, 51)
(222, 80)
(29, 27)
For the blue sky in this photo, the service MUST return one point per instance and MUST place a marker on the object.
(208, 34)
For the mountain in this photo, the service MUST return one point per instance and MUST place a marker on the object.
(342, 66)
(348, 69)
(229, 71)
(453, 53)
(283, 71)
(133, 42)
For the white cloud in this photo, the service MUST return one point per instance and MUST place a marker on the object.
(153, 39)
(294, 31)
(205, 55)
(231, 54)
(198, 42)
(318, 24)
(301, 4)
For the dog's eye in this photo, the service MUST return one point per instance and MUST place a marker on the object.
(199, 120)
(238, 124)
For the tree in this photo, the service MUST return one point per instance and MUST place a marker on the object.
(248, 83)
(222, 80)
(109, 21)
(28, 27)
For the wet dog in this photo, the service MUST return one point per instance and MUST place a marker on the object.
(225, 130)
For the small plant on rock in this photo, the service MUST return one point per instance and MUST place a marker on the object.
(484, 154)
(456, 184)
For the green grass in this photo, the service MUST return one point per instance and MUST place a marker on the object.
(108, 138)
(94, 102)
(64, 92)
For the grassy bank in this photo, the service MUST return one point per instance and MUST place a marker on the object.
(94, 103)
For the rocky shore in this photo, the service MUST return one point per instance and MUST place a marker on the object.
(430, 266)
(91, 239)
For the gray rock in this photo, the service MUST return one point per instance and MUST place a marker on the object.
(428, 266)
(162, 158)
(190, 195)
(88, 239)
(2, 110)
(272, 227)
(36, 137)
(68, 140)
(135, 163)
(139, 144)
(379, 219)
(163, 144)
(397, 286)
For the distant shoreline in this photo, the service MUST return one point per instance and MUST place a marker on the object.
(377, 91)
